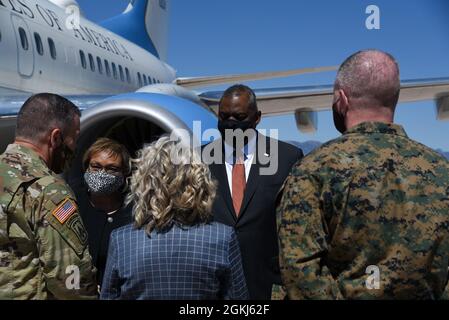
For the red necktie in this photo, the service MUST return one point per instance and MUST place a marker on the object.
(238, 184)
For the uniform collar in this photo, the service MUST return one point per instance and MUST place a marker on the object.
(378, 127)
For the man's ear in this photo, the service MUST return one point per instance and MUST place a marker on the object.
(258, 117)
(55, 138)
(343, 102)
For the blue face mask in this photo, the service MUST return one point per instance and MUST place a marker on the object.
(101, 182)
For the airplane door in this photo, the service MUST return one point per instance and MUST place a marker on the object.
(25, 52)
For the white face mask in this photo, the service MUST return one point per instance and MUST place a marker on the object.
(101, 182)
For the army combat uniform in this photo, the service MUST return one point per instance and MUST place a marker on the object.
(43, 243)
(366, 216)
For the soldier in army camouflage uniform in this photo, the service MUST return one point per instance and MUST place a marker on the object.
(43, 243)
(366, 216)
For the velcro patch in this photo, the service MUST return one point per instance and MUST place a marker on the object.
(78, 229)
(64, 210)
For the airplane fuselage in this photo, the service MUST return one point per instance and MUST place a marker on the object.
(40, 51)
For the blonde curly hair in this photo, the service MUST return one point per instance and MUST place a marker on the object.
(170, 185)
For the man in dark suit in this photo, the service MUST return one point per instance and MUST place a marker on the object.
(250, 169)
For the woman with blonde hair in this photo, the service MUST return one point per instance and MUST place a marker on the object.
(173, 250)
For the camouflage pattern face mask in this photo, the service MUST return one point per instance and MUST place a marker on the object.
(101, 182)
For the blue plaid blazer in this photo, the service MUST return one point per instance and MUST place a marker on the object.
(199, 262)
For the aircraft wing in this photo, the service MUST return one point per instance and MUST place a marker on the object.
(278, 101)
(10, 106)
(303, 101)
(194, 82)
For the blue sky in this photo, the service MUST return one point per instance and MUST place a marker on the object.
(234, 36)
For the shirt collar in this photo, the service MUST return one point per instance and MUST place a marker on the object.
(378, 127)
(248, 150)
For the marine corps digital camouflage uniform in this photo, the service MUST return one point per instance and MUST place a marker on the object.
(43, 243)
(372, 197)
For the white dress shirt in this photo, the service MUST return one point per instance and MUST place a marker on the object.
(249, 150)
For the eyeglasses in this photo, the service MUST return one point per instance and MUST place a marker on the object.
(94, 167)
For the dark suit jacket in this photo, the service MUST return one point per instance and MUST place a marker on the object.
(99, 228)
(256, 224)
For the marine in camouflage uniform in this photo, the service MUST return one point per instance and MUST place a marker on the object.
(43, 249)
(372, 197)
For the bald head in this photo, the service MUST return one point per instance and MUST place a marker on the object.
(369, 79)
(240, 90)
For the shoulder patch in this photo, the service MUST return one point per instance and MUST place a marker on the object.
(76, 225)
(64, 210)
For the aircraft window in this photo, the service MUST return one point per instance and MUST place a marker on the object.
(100, 66)
(83, 59)
(154, 80)
(128, 76)
(144, 79)
(149, 80)
(91, 62)
(122, 76)
(139, 78)
(39, 46)
(51, 44)
(114, 70)
(23, 38)
(106, 67)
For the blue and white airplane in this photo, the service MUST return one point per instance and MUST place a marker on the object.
(116, 73)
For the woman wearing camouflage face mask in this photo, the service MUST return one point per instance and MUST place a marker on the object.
(106, 166)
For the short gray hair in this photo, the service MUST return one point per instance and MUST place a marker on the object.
(371, 76)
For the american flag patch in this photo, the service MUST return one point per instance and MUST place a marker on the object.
(64, 210)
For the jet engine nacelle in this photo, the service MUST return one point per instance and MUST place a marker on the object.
(442, 103)
(306, 120)
(136, 119)
(173, 90)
